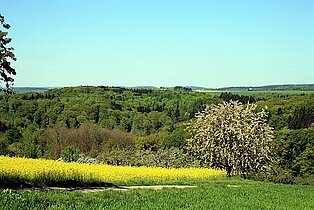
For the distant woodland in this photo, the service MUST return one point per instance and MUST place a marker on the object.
(124, 126)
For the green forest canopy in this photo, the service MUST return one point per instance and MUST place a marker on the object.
(113, 123)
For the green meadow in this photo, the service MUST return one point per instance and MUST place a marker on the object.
(220, 193)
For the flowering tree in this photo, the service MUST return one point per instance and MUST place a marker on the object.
(6, 54)
(233, 137)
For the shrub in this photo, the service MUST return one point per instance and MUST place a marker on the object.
(70, 154)
(294, 151)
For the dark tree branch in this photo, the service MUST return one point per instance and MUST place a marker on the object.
(6, 54)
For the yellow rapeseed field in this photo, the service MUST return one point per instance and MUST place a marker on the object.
(30, 168)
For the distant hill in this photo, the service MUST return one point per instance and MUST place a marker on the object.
(197, 88)
(266, 87)
(154, 87)
(142, 87)
(30, 89)
(273, 87)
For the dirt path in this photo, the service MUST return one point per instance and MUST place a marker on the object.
(123, 188)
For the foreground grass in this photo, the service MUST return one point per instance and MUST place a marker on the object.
(217, 193)
(213, 190)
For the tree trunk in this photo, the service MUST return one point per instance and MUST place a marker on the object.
(229, 169)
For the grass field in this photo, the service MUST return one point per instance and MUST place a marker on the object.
(218, 193)
(213, 190)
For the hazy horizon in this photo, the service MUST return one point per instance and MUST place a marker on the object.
(210, 44)
(142, 86)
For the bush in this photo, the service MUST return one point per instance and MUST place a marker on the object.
(166, 158)
(70, 154)
(3, 146)
(30, 149)
(294, 151)
(117, 157)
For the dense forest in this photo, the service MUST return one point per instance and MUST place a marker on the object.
(124, 126)
(96, 120)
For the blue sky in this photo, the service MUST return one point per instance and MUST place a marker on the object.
(161, 42)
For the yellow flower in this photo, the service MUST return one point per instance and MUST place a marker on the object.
(31, 168)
